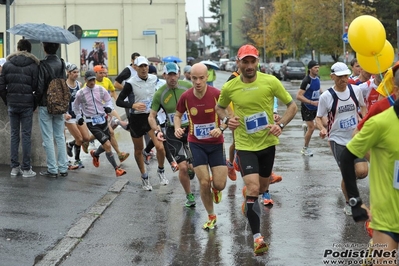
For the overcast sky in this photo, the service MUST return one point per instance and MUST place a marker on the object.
(194, 10)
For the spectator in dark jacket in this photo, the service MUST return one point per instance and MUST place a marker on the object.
(18, 82)
(52, 126)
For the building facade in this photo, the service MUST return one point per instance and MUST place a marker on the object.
(117, 28)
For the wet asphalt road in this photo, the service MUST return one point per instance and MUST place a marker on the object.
(154, 228)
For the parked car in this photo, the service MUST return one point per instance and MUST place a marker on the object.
(292, 69)
(230, 66)
(222, 63)
(274, 69)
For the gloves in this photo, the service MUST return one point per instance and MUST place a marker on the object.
(81, 121)
(359, 214)
(107, 110)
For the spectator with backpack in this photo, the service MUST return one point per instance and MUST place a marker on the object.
(18, 82)
(52, 68)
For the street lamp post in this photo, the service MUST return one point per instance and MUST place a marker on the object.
(264, 32)
(343, 29)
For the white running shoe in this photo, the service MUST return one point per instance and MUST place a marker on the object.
(146, 184)
(16, 171)
(307, 152)
(162, 178)
(348, 209)
(28, 173)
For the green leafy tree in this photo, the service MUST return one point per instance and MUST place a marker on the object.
(213, 30)
(193, 49)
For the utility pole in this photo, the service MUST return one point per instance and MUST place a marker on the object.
(8, 3)
(264, 33)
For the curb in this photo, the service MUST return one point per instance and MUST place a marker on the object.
(72, 239)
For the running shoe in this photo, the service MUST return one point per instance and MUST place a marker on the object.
(230, 171)
(146, 184)
(69, 149)
(211, 223)
(16, 171)
(162, 178)
(96, 159)
(304, 128)
(119, 172)
(147, 157)
(79, 163)
(174, 166)
(368, 258)
(190, 200)
(216, 195)
(85, 147)
(274, 178)
(28, 173)
(307, 152)
(267, 200)
(348, 209)
(113, 123)
(123, 156)
(368, 229)
(123, 124)
(72, 166)
(260, 246)
(191, 173)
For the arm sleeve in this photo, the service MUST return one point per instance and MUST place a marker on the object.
(41, 82)
(120, 101)
(125, 74)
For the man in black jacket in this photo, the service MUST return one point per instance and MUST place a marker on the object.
(52, 126)
(18, 82)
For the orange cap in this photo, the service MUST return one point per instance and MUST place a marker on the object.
(98, 68)
(247, 50)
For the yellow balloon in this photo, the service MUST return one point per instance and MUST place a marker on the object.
(378, 63)
(366, 35)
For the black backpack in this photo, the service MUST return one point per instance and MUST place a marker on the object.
(58, 93)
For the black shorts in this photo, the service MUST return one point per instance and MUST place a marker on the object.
(307, 115)
(100, 132)
(176, 146)
(208, 154)
(138, 125)
(256, 162)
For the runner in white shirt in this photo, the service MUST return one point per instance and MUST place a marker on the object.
(340, 103)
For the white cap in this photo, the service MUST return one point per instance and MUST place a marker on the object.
(141, 60)
(2, 61)
(340, 69)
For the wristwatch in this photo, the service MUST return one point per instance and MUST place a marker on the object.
(355, 201)
(281, 125)
(222, 129)
(156, 132)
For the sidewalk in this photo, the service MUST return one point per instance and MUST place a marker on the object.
(37, 213)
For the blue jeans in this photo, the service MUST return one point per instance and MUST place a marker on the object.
(21, 123)
(52, 127)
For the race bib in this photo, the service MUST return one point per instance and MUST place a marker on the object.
(202, 131)
(347, 123)
(316, 95)
(98, 120)
(255, 122)
(184, 118)
(396, 175)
